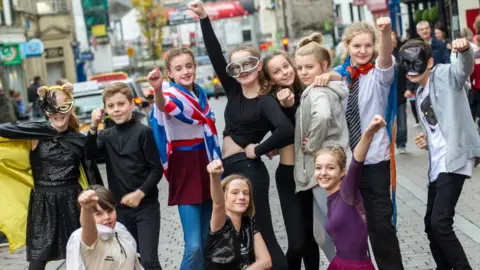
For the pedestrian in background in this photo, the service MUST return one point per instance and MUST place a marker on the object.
(133, 169)
(7, 108)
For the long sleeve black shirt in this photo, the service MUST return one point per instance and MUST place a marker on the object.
(132, 159)
(247, 121)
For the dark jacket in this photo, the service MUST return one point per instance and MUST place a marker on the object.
(440, 53)
(7, 110)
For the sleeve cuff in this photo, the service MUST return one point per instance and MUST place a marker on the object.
(385, 69)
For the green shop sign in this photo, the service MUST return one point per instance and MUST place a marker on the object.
(10, 54)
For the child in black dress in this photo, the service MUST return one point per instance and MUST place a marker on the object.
(52, 153)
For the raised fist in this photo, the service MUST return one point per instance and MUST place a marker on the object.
(460, 45)
(155, 79)
(198, 8)
(215, 167)
(384, 24)
(88, 199)
(97, 116)
(375, 125)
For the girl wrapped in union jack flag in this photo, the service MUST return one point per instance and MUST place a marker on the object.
(184, 129)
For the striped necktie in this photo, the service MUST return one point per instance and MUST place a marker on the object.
(353, 115)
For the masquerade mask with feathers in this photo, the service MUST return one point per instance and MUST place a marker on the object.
(47, 99)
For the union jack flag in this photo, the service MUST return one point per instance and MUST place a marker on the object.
(190, 110)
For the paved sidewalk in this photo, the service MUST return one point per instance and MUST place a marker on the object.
(411, 191)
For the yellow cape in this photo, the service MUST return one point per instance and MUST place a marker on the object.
(16, 181)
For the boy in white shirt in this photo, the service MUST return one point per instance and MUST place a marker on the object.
(102, 242)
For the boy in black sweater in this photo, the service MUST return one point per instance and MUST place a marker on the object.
(133, 169)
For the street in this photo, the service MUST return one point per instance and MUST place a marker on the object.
(411, 200)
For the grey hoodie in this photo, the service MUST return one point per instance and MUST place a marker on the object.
(321, 118)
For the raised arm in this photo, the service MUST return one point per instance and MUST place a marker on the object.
(155, 79)
(463, 67)
(215, 169)
(384, 59)
(351, 181)
(88, 201)
(212, 46)
(94, 145)
(283, 133)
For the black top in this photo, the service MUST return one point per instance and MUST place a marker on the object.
(247, 120)
(132, 159)
(231, 250)
(54, 165)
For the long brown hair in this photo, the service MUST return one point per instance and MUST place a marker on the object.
(174, 52)
(226, 182)
(297, 87)
(264, 84)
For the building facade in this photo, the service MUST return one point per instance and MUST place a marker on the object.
(50, 25)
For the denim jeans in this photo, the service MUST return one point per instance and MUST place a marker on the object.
(443, 196)
(195, 220)
(401, 125)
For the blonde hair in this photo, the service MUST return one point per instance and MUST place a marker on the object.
(312, 45)
(336, 151)
(225, 184)
(174, 52)
(117, 87)
(356, 29)
(66, 89)
(264, 84)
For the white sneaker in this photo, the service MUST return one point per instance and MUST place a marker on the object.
(401, 150)
(417, 125)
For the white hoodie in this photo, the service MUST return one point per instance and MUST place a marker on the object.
(107, 235)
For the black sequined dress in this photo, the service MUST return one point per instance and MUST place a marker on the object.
(53, 214)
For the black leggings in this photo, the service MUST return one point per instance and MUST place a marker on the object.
(297, 210)
(255, 170)
(37, 265)
(375, 190)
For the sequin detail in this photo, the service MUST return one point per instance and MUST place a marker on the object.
(53, 214)
(229, 249)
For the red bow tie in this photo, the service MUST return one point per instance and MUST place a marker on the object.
(356, 71)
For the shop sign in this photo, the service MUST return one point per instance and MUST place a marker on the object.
(54, 52)
(359, 2)
(215, 11)
(377, 5)
(10, 54)
(32, 48)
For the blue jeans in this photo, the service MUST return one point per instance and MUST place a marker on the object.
(195, 220)
(401, 125)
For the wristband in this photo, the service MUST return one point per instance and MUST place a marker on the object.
(93, 128)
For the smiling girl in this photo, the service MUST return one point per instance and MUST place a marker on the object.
(184, 129)
(102, 242)
(370, 79)
(45, 160)
(346, 215)
(250, 114)
(233, 241)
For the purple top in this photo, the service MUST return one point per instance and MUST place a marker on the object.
(346, 222)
